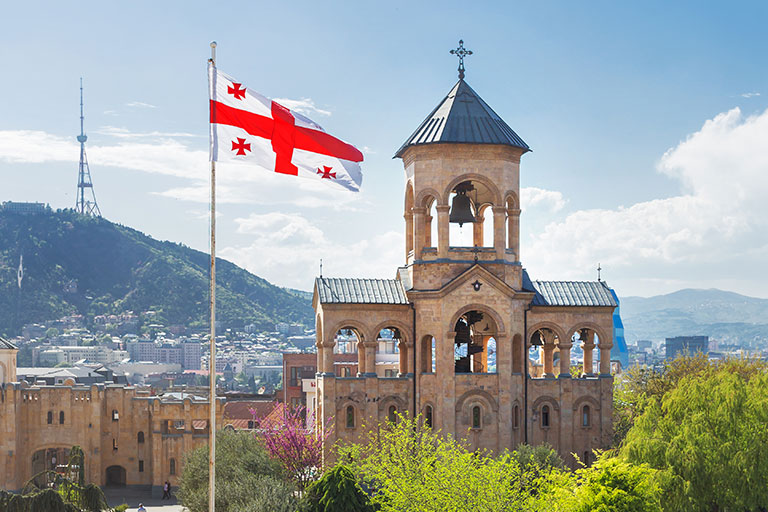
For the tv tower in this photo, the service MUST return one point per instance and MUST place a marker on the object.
(85, 206)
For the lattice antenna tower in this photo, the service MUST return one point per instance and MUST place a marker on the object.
(86, 201)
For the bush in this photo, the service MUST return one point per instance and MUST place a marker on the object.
(337, 490)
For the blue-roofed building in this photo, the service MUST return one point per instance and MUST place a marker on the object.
(464, 319)
(619, 352)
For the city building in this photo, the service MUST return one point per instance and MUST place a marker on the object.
(464, 314)
(129, 437)
(686, 345)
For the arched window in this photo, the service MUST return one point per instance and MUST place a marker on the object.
(516, 417)
(140, 437)
(50, 417)
(585, 416)
(61, 417)
(350, 417)
(476, 417)
(545, 416)
(172, 468)
(115, 415)
(392, 414)
(586, 458)
(428, 416)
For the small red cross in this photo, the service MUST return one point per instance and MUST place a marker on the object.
(236, 91)
(326, 173)
(240, 146)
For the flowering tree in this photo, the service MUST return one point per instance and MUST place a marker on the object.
(287, 440)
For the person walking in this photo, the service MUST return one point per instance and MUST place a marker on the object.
(167, 490)
(141, 508)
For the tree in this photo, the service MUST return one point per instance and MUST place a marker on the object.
(247, 479)
(337, 490)
(708, 437)
(414, 468)
(287, 440)
(51, 333)
(609, 485)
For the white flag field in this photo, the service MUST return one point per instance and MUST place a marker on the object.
(248, 128)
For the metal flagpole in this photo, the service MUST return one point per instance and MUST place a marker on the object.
(212, 359)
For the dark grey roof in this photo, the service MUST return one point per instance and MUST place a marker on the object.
(332, 290)
(569, 293)
(6, 345)
(463, 117)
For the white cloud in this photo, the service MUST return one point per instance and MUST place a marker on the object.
(750, 94)
(718, 220)
(140, 104)
(305, 106)
(531, 197)
(124, 133)
(286, 249)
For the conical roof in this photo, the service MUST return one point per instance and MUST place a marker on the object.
(463, 117)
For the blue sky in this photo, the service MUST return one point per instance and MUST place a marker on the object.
(648, 126)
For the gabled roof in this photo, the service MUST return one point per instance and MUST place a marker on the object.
(463, 117)
(332, 290)
(569, 293)
(7, 345)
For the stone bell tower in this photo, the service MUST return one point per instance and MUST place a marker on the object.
(484, 352)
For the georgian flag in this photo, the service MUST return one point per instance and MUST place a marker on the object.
(20, 272)
(246, 127)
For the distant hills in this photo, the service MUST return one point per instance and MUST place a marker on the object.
(720, 314)
(79, 264)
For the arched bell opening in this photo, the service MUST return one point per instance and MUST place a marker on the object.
(585, 343)
(472, 216)
(392, 359)
(475, 335)
(543, 345)
(430, 224)
(348, 340)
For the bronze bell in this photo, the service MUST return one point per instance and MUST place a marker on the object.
(461, 209)
(462, 333)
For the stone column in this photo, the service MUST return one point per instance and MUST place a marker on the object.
(418, 231)
(442, 230)
(549, 349)
(605, 359)
(477, 231)
(370, 358)
(408, 233)
(328, 358)
(565, 359)
(319, 367)
(403, 359)
(428, 242)
(360, 359)
(588, 346)
(513, 235)
(499, 217)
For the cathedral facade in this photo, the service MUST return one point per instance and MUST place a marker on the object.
(128, 437)
(485, 352)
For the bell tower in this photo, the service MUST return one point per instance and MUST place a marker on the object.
(462, 166)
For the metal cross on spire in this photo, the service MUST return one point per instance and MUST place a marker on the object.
(599, 268)
(461, 52)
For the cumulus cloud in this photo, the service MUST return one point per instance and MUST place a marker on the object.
(719, 218)
(286, 248)
(305, 106)
(532, 197)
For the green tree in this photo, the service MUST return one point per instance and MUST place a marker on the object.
(610, 485)
(413, 468)
(51, 333)
(708, 437)
(337, 490)
(246, 478)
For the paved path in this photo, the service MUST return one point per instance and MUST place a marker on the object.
(117, 497)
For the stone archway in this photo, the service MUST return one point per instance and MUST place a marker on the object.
(115, 476)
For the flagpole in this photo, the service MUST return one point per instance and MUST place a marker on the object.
(212, 359)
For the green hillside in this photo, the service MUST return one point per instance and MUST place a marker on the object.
(78, 264)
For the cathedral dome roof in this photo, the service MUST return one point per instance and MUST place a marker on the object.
(464, 118)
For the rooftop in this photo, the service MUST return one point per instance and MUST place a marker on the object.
(569, 293)
(335, 290)
(464, 118)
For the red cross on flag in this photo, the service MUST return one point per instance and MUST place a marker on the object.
(249, 128)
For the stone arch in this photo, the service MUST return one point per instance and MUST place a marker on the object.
(427, 354)
(429, 193)
(360, 329)
(586, 400)
(544, 325)
(476, 394)
(341, 411)
(114, 476)
(482, 308)
(397, 401)
(545, 400)
(474, 177)
(602, 336)
(511, 200)
(404, 329)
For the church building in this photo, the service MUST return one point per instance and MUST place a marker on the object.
(486, 353)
